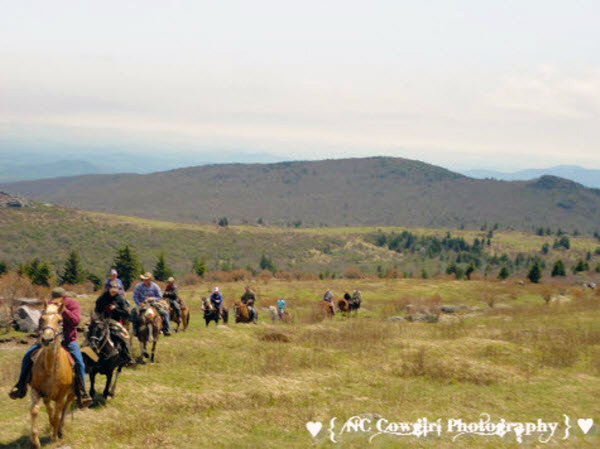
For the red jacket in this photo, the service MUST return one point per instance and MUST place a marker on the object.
(71, 317)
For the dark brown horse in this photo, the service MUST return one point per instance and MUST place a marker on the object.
(212, 314)
(185, 315)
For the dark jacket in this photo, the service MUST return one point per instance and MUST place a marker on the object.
(248, 298)
(119, 313)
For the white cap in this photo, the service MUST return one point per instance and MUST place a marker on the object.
(216, 289)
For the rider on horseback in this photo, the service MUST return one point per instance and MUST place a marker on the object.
(280, 307)
(172, 296)
(71, 317)
(148, 290)
(112, 309)
(328, 296)
(216, 298)
(249, 298)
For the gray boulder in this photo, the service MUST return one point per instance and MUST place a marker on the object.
(450, 309)
(27, 319)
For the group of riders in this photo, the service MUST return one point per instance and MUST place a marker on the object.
(353, 300)
(112, 311)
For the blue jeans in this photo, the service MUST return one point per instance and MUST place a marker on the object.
(72, 347)
(165, 315)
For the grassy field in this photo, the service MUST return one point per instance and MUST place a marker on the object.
(508, 354)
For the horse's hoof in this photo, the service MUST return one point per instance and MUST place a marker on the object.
(146, 355)
(60, 434)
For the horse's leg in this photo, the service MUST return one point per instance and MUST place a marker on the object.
(92, 381)
(107, 386)
(114, 385)
(66, 405)
(35, 411)
(153, 347)
(58, 411)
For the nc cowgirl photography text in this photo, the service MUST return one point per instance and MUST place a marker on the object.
(374, 426)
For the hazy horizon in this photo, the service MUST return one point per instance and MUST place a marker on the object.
(464, 86)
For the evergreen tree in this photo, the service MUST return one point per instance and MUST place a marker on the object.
(72, 273)
(558, 269)
(199, 266)
(161, 271)
(470, 270)
(581, 266)
(126, 263)
(504, 273)
(267, 264)
(39, 272)
(535, 273)
(3, 268)
(223, 222)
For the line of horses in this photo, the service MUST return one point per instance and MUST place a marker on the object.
(52, 373)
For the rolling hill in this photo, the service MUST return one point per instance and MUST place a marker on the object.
(377, 191)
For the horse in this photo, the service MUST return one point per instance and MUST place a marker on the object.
(346, 306)
(328, 309)
(52, 374)
(242, 314)
(212, 314)
(276, 315)
(149, 328)
(104, 358)
(185, 315)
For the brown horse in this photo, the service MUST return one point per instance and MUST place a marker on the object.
(185, 315)
(149, 327)
(328, 309)
(242, 314)
(52, 374)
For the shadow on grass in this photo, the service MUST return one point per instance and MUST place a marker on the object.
(23, 443)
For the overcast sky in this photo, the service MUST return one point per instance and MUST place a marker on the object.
(462, 84)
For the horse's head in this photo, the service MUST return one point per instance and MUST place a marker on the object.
(51, 323)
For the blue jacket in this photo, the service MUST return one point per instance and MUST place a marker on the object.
(217, 298)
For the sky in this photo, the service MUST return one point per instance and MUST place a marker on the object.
(462, 84)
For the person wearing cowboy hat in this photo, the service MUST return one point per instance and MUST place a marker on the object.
(172, 295)
(249, 298)
(71, 317)
(148, 290)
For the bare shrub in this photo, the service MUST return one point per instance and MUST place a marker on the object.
(284, 275)
(240, 275)
(218, 276)
(13, 285)
(353, 273)
(394, 274)
(84, 288)
(265, 276)
(191, 279)
(309, 277)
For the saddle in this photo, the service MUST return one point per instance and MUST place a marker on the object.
(37, 352)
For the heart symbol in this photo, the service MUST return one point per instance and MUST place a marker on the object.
(314, 427)
(585, 424)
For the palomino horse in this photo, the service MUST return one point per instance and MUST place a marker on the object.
(211, 313)
(149, 327)
(185, 315)
(52, 374)
(242, 314)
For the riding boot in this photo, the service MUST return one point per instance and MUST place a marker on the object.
(83, 399)
(126, 355)
(20, 389)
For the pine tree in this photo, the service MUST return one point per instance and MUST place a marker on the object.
(39, 272)
(161, 271)
(558, 269)
(470, 270)
(126, 263)
(504, 273)
(199, 266)
(3, 268)
(73, 273)
(267, 264)
(535, 273)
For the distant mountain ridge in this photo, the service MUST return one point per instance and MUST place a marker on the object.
(585, 176)
(378, 191)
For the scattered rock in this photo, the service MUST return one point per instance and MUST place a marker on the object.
(560, 299)
(8, 200)
(422, 317)
(395, 318)
(27, 319)
(451, 309)
(27, 301)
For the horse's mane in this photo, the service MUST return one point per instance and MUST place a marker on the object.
(52, 308)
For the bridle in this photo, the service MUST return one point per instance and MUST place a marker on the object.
(54, 331)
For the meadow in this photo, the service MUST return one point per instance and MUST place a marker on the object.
(517, 351)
